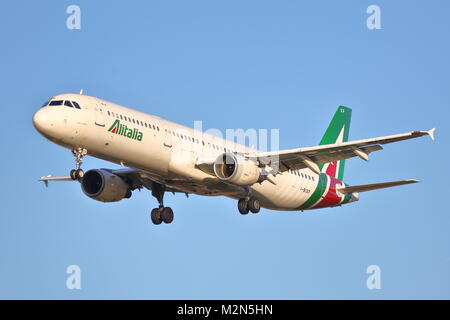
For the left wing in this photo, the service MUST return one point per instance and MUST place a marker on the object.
(51, 178)
(136, 179)
(312, 157)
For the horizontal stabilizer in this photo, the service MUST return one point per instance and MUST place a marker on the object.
(375, 186)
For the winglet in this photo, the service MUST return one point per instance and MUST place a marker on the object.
(431, 133)
(44, 180)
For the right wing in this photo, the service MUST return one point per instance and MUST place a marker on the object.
(312, 157)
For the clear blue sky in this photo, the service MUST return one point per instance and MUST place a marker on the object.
(232, 64)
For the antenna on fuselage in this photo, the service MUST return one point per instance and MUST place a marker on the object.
(81, 91)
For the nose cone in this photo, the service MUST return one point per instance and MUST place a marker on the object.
(41, 120)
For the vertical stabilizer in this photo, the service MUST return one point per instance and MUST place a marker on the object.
(337, 132)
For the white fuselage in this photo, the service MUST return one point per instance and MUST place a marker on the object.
(166, 151)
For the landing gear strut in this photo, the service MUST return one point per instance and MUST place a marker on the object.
(78, 173)
(248, 204)
(160, 214)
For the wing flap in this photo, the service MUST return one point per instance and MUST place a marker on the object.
(375, 186)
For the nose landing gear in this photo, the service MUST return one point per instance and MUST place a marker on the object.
(78, 173)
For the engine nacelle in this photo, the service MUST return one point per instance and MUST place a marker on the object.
(236, 169)
(102, 185)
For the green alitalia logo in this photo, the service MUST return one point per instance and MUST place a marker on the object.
(123, 130)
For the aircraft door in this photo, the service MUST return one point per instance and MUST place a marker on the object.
(99, 116)
(168, 138)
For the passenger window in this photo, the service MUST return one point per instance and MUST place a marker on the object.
(56, 103)
(109, 113)
(76, 105)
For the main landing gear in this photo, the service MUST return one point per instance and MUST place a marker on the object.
(248, 204)
(78, 173)
(160, 214)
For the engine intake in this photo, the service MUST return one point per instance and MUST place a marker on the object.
(236, 169)
(102, 185)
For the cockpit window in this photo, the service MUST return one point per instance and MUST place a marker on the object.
(67, 103)
(76, 105)
(56, 103)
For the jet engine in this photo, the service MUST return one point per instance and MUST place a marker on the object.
(102, 185)
(236, 169)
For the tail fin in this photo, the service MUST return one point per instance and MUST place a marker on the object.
(337, 132)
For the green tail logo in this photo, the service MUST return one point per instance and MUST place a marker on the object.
(123, 130)
(337, 132)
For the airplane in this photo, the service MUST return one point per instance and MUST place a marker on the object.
(163, 156)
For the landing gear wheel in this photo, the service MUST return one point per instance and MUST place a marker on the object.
(156, 216)
(73, 174)
(243, 206)
(79, 173)
(76, 174)
(254, 205)
(167, 215)
(161, 214)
